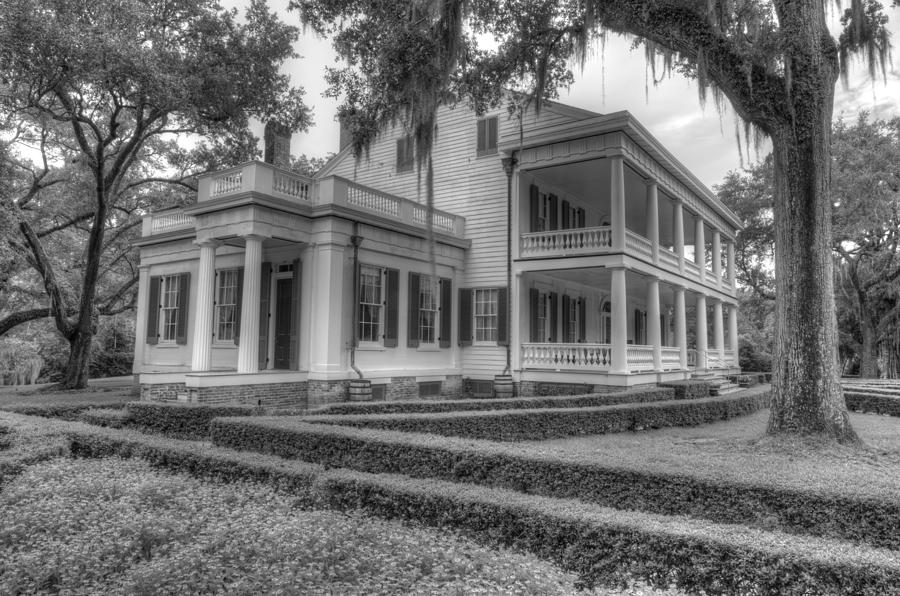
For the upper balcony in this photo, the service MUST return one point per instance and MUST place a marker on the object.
(270, 181)
(602, 206)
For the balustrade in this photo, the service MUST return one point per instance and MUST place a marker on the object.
(593, 357)
(637, 244)
(640, 358)
(567, 242)
(671, 358)
(161, 223)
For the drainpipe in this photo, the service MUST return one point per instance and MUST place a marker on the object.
(509, 166)
(355, 240)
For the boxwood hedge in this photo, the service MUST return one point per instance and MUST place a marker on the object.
(184, 421)
(462, 405)
(877, 403)
(553, 423)
(604, 546)
(688, 388)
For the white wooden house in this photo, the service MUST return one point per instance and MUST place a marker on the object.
(570, 248)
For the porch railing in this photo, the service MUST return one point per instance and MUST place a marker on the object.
(671, 358)
(668, 259)
(692, 358)
(561, 243)
(593, 357)
(640, 358)
(169, 221)
(638, 245)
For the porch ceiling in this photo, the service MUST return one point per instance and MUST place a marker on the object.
(600, 279)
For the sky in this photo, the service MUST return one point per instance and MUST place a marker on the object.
(612, 80)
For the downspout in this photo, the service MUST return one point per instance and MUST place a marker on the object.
(355, 240)
(509, 166)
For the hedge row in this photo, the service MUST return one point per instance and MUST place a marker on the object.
(464, 405)
(536, 425)
(115, 418)
(688, 388)
(872, 402)
(871, 520)
(64, 410)
(182, 421)
(604, 546)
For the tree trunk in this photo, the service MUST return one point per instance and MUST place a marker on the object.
(868, 359)
(806, 395)
(76, 374)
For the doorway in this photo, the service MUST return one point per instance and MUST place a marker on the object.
(283, 300)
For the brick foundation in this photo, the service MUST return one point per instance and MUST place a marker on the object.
(327, 392)
(285, 395)
(163, 392)
(543, 389)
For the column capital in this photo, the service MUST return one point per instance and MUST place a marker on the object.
(509, 165)
(209, 242)
(259, 237)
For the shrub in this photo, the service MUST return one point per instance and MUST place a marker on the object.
(184, 421)
(63, 409)
(603, 546)
(462, 405)
(115, 418)
(877, 403)
(688, 388)
(536, 425)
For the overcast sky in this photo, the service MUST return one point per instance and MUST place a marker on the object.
(700, 137)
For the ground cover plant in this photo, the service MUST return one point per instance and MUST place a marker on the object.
(119, 526)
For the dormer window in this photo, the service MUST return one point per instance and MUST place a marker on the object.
(487, 136)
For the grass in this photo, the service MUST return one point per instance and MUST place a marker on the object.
(119, 526)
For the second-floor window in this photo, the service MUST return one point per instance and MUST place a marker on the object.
(487, 136)
(405, 153)
(226, 303)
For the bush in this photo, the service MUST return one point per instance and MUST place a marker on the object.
(182, 421)
(603, 546)
(688, 388)
(876, 403)
(462, 405)
(537, 425)
(65, 410)
(114, 418)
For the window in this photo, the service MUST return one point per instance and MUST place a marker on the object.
(168, 306)
(606, 324)
(640, 327)
(487, 136)
(226, 304)
(572, 321)
(405, 153)
(544, 213)
(370, 303)
(428, 310)
(542, 303)
(486, 315)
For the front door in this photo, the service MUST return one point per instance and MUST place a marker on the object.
(283, 298)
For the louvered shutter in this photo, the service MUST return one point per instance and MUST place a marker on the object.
(534, 301)
(582, 319)
(465, 316)
(295, 315)
(184, 301)
(446, 312)
(566, 220)
(554, 215)
(392, 308)
(412, 331)
(153, 312)
(502, 322)
(554, 316)
(238, 305)
(264, 283)
(566, 304)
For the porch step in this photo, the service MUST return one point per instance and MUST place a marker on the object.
(724, 389)
(718, 385)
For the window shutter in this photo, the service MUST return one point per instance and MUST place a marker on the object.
(295, 316)
(239, 305)
(566, 304)
(491, 133)
(482, 136)
(465, 316)
(502, 323)
(184, 294)
(264, 283)
(153, 312)
(446, 312)
(412, 332)
(554, 315)
(400, 152)
(637, 327)
(582, 218)
(535, 207)
(582, 319)
(392, 308)
(566, 223)
(554, 215)
(534, 301)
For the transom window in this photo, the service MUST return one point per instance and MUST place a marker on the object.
(226, 304)
(428, 310)
(486, 315)
(371, 298)
(168, 300)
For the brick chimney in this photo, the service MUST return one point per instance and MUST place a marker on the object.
(277, 140)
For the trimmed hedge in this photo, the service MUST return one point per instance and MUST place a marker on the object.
(182, 421)
(464, 405)
(872, 402)
(105, 417)
(688, 388)
(63, 410)
(537, 425)
(604, 546)
(528, 470)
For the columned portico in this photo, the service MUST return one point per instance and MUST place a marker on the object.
(617, 202)
(701, 331)
(681, 327)
(679, 234)
(700, 248)
(619, 322)
(654, 333)
(248, 348)
(718, 331)
(717, 257)
(201, 357)
(733, 332)
(653, 220)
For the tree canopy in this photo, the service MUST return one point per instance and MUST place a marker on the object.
(97, 101)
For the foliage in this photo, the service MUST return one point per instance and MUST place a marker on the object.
(870, 402)
(94, 100)
(112, 526)
(688, 389)
(182, 421)
(308, 166)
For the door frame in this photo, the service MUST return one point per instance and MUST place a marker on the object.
(273, 299)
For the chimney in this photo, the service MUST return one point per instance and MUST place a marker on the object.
(277, 140)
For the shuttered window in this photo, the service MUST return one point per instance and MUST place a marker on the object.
(487, 136)
(168, 307)
(486, 315)
(371, 316)
(405, 153)
(226, 304)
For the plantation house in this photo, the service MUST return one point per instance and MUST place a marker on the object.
(570, 249)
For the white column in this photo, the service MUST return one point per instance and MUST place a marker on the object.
(679, 234)
(140, 328)
(730, 266)
(700, 248)
(653, 220)
(331, 294)
(201, 356)
(619, 316)
(733, 331)
(654, 334)
(681, 327)
(248, 343)
(717, 257)
(617, 202)
(719, 330)
(701, 331)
